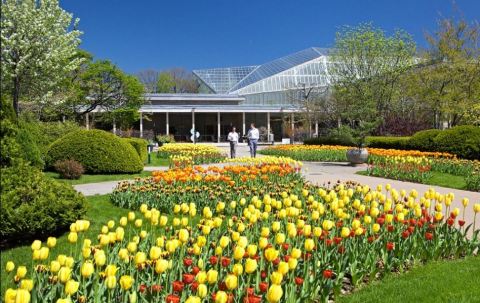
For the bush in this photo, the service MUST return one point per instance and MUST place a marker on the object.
(388, 142)
(97, 150)
(336, 136)
(69, 169)
(463, 141)
(29, 150)
(45, 133)
(162, 139)
(140, 146)
(34, 205)
(424, 140)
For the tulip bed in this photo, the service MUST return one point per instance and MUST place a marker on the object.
(213, 186)
(185, 154)
(297, 244)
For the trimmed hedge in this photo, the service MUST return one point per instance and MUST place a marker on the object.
(463, 141)
(34, 205)
(388, 142)
(424, 140)
(140, 146)
(97, 150)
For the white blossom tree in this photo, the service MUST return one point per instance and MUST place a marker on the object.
(39, 41)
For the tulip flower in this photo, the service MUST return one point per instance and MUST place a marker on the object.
(275, 293)
(126, 282)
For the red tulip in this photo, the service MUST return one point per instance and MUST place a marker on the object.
(195, 270)
(327, 273)
(252, 299)
(329, 242)
(213, 260)
(428, 236)
(286, 258)
(276, 261)
(250, 291)
(142, 288)
(225, 261)
(187, 262)
(390, 246)
(390, 228)
(405, 234)
(263, 274)
(173, 298)
(194, 286)
(263, 286)
(337, 240)
(461, 222)
(380, 221)
(156, 288)
(298, 281)
(177, 286)
(450, 221)
(285, 246)
(188, 278)
(222, 286)
(370, 239)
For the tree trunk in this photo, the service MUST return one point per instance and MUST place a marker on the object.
(16, 94)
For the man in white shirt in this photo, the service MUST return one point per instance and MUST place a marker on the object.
(253, 136)
(233, 138)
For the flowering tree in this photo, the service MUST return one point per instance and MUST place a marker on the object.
(38, 42)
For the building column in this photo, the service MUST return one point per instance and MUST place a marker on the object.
(292, 126)
(168, 124)
(114, 126)
(218, 127)
(87, 121)
(268, 126)
(141, 125)
(243, 124)
(193, 125)
(316, 129)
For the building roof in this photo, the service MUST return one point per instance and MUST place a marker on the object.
(193, 97)
(221, 80)
(231, 79)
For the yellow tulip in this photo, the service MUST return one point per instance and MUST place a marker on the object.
(100, 258)
(36, 245)
(224, 241)
(283, 267)
(71, 287)
(221, 297)
(202, 290)
(212, 276)
(161, 266)
(250, 265)
(231, 281)
(275, 293)
(237, 269)
(111, 270)
(476, 207)
(276, 277)
(183, 235)
(376, 228)
(64, 274)
(51, 242)
(292, 263)
(22, 296)
(10, 266)
(140, 257)
(87, 269)
(26, 284)
(111, 282)
(309, 244)
(10, 295)
(21, 272)
(271, 254)
(193, 299)
(72, 237)
(126, 282)
(238, 252)
(155, 252)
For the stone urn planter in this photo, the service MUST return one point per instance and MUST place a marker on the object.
(357, 156)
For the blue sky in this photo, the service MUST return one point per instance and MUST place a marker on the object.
(196, 34)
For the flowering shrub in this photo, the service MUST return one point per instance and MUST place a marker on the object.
(197, 153)
(282, 245)
(69, 169)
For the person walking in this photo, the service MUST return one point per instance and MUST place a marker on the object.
(253, 136)
(233, 138)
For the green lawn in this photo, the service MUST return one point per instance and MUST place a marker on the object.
(443, 281)
(440, 179)
(155, 161)
(98, 178)
(99, 211)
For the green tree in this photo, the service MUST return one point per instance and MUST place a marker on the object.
(103, 86)
(448, 79)
(165, 83)
(38, 43)
(366, 68)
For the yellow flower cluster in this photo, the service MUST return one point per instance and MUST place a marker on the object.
(265, 160)
(190, 149)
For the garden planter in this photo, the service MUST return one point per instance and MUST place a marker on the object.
(357, 156)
